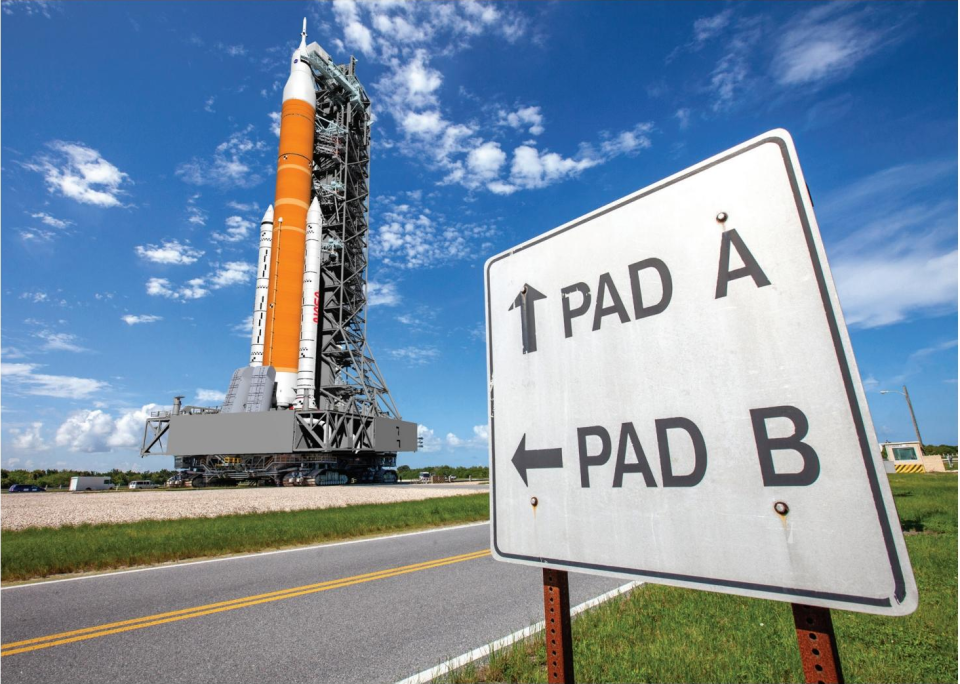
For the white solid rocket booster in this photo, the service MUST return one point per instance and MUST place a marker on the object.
(310, 310)
(263, 286)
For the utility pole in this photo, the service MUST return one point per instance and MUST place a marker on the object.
(913, 416)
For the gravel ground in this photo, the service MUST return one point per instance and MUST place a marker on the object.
(18, 511)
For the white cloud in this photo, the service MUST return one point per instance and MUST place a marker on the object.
(429, 440)
(35, 297)
(80, 173)
(208, 104)
(131, 319)
(209, 396)
(706, 28)
(54, 341)
(238, 230)
(42, 7)
(52, 221)
(274, 123)
(243, 329)
(195, 214)
(480, 439)
(160, 287)
(485, 161)
(170, 252)
(525, 117)
(235, 163)
(98, 432)
(29, 438)
(382, 294)
(414, 356)
(410, 237)
(21, 377)
(682, 116)
(898, 260)
(825, 43)
(243, 206)
(194, 289)
(231, 273)
(224, 275)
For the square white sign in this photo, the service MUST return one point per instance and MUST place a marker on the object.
(673, 397)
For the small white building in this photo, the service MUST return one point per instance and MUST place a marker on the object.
(907, 457)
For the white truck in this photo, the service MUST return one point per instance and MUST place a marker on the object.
(89, 484)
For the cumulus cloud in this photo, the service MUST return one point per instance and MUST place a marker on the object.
(528, 118)
(131, 319)
(170, 252)
(23, 378)
(96, 431)
(224, 275)
(29, 438)
(237, 230)
(382, 294)
(79, 173)
(231, 273)
(209, 396)
(236, 162)
(479, 440)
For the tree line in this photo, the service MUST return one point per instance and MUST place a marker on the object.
(460, 472)
(60, 479)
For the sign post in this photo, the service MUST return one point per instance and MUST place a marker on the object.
(818, 645)
(671, 380)
(556, 609)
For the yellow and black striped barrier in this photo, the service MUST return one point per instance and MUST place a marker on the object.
(908, 467)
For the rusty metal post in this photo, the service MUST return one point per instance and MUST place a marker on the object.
(556, 609)
(818, 645)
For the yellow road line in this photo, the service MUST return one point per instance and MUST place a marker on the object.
(61, 638)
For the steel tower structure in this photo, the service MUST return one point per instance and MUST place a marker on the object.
(353, 428)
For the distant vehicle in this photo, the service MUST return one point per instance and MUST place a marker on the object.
(89, 484)
(142, 484)
(25, 488)
(425, 477)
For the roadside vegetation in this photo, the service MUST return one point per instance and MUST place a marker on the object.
(60, 479)
(41, 552)
(664, 634)
(444, 471)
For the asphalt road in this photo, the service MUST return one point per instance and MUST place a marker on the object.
(377, 610)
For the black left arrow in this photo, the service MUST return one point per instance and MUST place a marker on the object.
(524, 459)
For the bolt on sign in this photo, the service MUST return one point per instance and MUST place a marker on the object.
(674, 397)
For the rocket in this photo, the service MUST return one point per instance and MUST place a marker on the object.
(281, 329)
(310, 310)
(263, 286)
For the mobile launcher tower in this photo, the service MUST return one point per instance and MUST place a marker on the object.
(312, 407)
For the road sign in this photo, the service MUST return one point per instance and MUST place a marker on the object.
(674, 397)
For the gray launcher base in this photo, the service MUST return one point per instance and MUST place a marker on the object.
(270, 432)
(394, 435)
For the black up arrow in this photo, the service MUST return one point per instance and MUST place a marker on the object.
(528, 320)
(525, 459)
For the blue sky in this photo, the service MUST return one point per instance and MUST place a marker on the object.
(139, 145)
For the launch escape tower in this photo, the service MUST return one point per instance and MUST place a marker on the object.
(347, 427)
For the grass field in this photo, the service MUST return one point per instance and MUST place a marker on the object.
(40, 552)
(664, 634)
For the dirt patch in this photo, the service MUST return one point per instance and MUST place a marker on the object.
(18, 511)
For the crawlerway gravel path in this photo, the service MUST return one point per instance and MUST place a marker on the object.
(18, 511)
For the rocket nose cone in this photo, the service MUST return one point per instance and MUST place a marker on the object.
(268, 215)
(313, 213)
